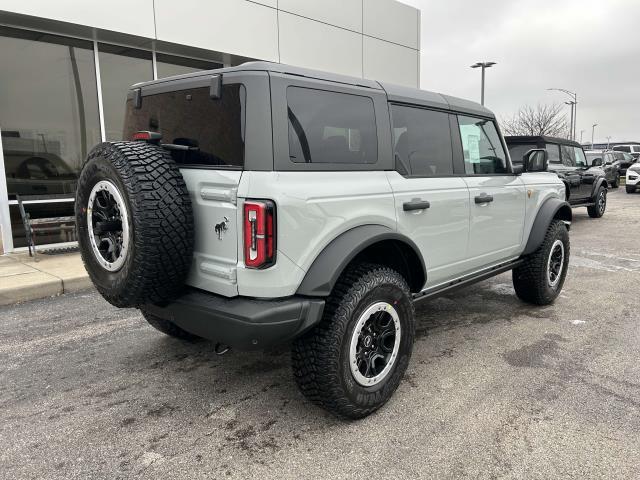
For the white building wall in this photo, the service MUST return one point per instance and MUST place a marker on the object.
(372, 38)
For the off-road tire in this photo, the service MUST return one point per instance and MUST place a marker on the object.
(167, 327)
(160, 219)
(595, 211)
(630, 188)
(530, 278)
(320, 358)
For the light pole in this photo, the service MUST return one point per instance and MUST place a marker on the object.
(593, 131)
(484, 66)
(572, 135)
(581, 132)
(574, 108)
(608, 141)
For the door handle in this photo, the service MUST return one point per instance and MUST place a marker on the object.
(483, 198)
(415, 205)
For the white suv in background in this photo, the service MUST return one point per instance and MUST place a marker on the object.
(633, 178)
(630, 148)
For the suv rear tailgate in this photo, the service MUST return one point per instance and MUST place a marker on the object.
(214, 201)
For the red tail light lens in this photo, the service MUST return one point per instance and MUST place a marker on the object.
(259, 233)
(147, 136)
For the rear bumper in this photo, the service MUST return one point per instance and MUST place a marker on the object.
(241, 322)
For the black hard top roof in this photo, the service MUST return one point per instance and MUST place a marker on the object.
(539, 139)
(395, 93)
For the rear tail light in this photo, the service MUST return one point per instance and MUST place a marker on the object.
(259, 233)
(147, 136)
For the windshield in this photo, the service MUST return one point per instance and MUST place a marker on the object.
(516, 152)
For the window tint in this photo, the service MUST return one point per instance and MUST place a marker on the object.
(581, 161)
(331, 127)
(214, 129)
(568, 156)
(422, 140)
(622, 148)
(483, 152)
(517, 151)
(49, 120)
(553, 153)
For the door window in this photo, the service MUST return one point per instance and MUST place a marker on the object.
(517, 151)
(422, 140)
(553, 153)
(568, 156)
(481, 145)
(581, 160)
(331, 127)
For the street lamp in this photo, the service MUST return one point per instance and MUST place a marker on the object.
(593, 130)
(608, 141)
(574, 109)
(581, 132)
(571, 132)
(484, 66)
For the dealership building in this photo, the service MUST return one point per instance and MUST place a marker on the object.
(65, 67)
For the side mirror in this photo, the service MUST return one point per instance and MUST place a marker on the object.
(535, 160)
(517, 169)
(596, 162)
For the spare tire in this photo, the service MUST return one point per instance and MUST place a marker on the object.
(134, 222)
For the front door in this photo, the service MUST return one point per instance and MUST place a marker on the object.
(496, 196)
(432, 204)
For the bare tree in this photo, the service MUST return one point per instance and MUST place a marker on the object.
(540, 120)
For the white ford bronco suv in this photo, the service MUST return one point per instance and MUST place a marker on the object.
(263, 203)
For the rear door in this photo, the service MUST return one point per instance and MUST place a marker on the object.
(432, 203)
(588, 174)
(496, 196)
(206, 137)
(571, 173)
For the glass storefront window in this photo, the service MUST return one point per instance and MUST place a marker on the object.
(169, 65)
(49, 120)
(120, 67)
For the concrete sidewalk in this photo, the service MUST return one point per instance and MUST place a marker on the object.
(22, 278)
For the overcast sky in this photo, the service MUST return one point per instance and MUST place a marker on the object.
(589, 47)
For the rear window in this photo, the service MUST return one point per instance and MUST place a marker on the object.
(213, 129)
(623, 148)
(331, 127)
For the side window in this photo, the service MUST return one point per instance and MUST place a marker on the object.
(422, 140)
(331, 127)
(568, 156)
(581, 160)
(518, 150)
(623, 148)
(553, 153)
(481, 145)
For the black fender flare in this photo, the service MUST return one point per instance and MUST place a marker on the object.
(331, 262)
(551, 208)
(597, 185)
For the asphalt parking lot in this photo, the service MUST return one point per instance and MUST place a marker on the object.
(496, 388)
